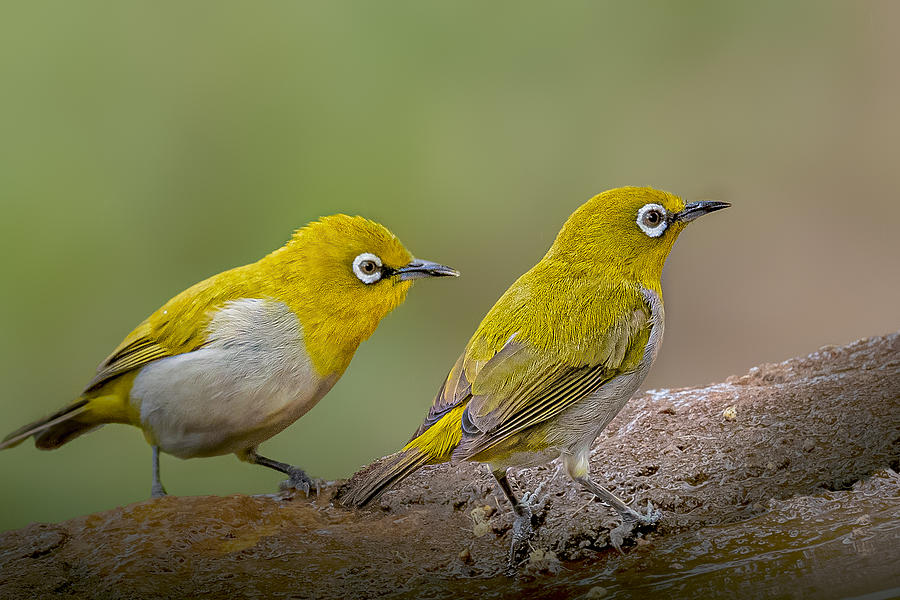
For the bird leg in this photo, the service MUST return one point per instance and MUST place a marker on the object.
(156, 490)
(523, 528)
(297, 478)
(630, 517)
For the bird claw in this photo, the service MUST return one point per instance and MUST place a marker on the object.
(157, 491)
(649, 518)
(299, 480)
(632, 520)
(530, 499)
(523, 528)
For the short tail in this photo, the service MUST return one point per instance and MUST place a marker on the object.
(377, 478)
(53, 431)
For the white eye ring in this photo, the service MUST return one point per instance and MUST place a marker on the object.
(362, 268)
(646, 217)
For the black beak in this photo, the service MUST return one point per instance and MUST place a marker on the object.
(418, 269)
(698, 209)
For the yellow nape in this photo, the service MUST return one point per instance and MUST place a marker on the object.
(439, 440)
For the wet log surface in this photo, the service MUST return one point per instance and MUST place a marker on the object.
(781, 482)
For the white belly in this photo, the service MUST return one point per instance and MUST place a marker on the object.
(251, 380)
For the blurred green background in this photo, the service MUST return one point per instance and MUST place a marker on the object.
(146, 146)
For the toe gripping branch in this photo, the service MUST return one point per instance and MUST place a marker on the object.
(527, 512)
(631, 519)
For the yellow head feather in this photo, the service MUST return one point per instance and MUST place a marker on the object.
(604, 235)
(337, 310)
(595, 269)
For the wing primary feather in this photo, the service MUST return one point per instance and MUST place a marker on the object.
(568, 397)
(538, 405)
(572, 391)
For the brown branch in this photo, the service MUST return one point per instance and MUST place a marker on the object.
(727, 463)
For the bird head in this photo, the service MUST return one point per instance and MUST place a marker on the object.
(628, 230)
(345, 274)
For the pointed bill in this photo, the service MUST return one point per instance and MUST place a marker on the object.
(417, 269)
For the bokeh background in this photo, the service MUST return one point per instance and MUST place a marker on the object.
(146, 146)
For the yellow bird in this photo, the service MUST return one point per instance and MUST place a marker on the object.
(556, 357)
(233, 360)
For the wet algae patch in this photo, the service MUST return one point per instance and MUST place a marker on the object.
(778, 483)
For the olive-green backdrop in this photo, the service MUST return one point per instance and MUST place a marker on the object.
(147, 145)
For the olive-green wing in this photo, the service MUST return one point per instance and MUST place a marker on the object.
(454, 390)
(131, 354)
(178, 327)
(522, 386)
(140, 348)
(457, 388)
(549, 390)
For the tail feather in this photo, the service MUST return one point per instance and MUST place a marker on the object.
(434, 445)
(52, 431)
(367, 485)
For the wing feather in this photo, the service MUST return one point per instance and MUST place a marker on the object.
(540, 403)
(522, 387)
(455, 390)
(523, 384)
(178, 327)
(136, 354)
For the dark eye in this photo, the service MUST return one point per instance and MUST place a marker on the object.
(652, 218)
(367, 267)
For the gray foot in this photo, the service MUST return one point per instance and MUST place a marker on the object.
(523, 528)
(630, 521)
(157, 490)
(299, 480)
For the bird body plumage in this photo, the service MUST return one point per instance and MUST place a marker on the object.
(557, 356)
(236, 358)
